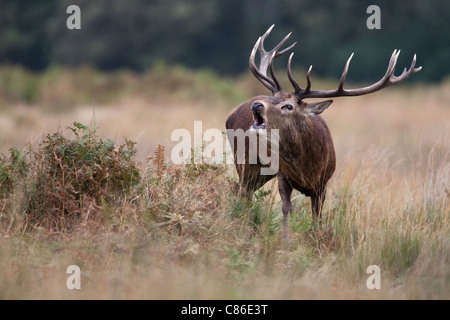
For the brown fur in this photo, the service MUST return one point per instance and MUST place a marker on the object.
(306, 153)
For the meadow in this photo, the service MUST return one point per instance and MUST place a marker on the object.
(86, 179)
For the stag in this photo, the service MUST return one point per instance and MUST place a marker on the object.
(306, 152)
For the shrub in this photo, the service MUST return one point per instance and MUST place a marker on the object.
(11, 169)
(69, 177)
(184, 198)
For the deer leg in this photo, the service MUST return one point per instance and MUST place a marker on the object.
(285, 189)
(317, 200)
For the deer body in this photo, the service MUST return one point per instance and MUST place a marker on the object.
(306, 153)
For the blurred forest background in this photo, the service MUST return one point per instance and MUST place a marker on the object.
(219, 35)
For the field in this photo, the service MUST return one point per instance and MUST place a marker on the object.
(148, 229)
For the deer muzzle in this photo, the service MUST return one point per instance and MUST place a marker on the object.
(260, 122)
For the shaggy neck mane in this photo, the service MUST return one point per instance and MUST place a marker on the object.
(296, 139)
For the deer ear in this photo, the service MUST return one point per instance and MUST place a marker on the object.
(318, 107)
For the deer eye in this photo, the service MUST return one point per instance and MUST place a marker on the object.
(287, 106)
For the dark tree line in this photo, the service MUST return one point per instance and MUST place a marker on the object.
(219, 34)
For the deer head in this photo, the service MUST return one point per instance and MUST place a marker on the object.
(284, 110)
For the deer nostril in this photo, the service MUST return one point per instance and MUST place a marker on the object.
(257, 107)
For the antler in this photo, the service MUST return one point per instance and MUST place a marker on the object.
(388, 79)
(266, 61)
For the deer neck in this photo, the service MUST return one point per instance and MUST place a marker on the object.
(301, 151)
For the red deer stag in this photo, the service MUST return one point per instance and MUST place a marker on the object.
(306, 153)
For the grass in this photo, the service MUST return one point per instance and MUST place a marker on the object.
(140, 227)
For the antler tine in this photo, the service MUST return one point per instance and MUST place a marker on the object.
(308, 79)
(266, 34)
(266, 61)
(267, 82)
(294, 83)
(392, 63)
(287, 49)
(344, 74)
(272, 72)
(291, 77)
(406, 72)
(276, 54)
(387, 80)
(413, 64)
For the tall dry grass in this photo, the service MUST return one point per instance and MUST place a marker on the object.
(181, 234)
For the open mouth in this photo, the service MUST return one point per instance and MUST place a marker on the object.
(260, 123)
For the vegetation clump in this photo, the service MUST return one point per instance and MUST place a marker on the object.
(68, 177)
